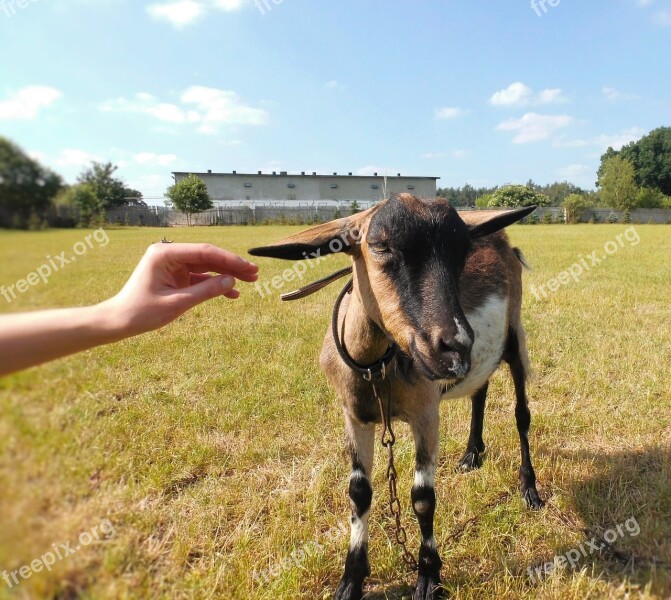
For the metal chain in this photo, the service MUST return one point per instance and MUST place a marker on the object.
(388, 439)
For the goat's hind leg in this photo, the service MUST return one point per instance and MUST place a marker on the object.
(513, 357)
(475, 449)
(361, 439)
(425, 431)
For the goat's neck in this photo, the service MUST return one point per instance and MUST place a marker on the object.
(364, 340)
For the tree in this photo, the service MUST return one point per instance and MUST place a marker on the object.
(83, 198)
(483, 201)
(618, 187)
(651, 159)
(189, 196)
(649, 198)
(25, 185)
(354, 207)
(575, 205)
(110, 191)
(513, 196)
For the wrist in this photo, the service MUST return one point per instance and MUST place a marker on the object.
(109, 321)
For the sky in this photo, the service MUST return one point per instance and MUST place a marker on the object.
(485, 92)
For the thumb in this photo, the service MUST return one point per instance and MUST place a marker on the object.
(206, 290)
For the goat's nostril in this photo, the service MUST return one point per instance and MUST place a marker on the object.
(444, 346)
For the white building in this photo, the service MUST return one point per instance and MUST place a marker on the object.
(260, 188)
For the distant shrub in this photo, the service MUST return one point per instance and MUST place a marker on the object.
(612, 218)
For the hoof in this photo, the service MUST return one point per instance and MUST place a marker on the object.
(428, 588)
(532, 499)
(348, 590)
(471, 460)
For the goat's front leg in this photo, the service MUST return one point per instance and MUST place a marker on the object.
(425, 430)
(361, 440)
(475, 449)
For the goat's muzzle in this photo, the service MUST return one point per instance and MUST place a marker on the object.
(443, 355)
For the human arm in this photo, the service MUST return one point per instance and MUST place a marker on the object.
(169, 280)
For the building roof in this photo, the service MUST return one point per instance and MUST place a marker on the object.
(304, 174)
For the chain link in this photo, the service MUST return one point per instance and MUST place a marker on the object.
(388, 439)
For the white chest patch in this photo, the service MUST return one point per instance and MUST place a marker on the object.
(490, 325)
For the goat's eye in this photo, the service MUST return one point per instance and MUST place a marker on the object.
(379, 247)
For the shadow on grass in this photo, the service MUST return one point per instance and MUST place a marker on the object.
(627, 487)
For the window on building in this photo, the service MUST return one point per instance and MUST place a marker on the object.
(334, 186)
(248, 185)
(375, 186)
(291, 185)
(411, 187)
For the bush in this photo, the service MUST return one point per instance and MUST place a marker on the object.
(575, 205)
(626, 218)
(612, 218)
(548, 218)
(514, 196)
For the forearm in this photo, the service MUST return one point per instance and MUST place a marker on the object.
(30, 339)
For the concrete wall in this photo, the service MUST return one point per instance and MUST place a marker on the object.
(229, 187)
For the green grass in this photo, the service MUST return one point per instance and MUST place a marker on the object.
(215, 447)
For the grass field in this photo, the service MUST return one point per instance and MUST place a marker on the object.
(215, 448)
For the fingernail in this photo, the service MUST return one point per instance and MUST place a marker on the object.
(227, 282)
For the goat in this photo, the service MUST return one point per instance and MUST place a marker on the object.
(447, 292)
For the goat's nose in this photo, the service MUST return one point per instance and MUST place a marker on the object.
(452, 352)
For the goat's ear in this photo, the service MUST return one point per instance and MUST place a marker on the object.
(340, 235)
(484, 222)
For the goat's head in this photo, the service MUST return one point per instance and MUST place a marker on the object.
(408, 255)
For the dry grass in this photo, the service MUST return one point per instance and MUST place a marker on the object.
(216, 448)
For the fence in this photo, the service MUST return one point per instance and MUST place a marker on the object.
(159, 216)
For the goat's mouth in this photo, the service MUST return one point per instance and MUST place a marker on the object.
(437, 370)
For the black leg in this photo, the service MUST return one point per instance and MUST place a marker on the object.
(361, 445)
(523, 419)
(475, 449)
(424, 505)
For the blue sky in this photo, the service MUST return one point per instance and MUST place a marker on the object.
(479, 91)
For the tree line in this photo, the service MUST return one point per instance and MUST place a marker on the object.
(637, 176)
(29, 191)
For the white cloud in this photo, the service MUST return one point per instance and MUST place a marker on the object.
(182, 13)
(533, 127)
(209, 107)
(179, 14)
(603, 141)
(334, 85)
(449, 112)
(613, 95)
(147, 104)
(662, 17)
(644, 2)
(27, 102)
(222, 107)
(518, 94)
(71, 157)
(551, 96)
(150, 158)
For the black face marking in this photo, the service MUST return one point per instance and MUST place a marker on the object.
(422, 246)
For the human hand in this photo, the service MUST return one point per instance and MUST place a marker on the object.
(171, 279)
